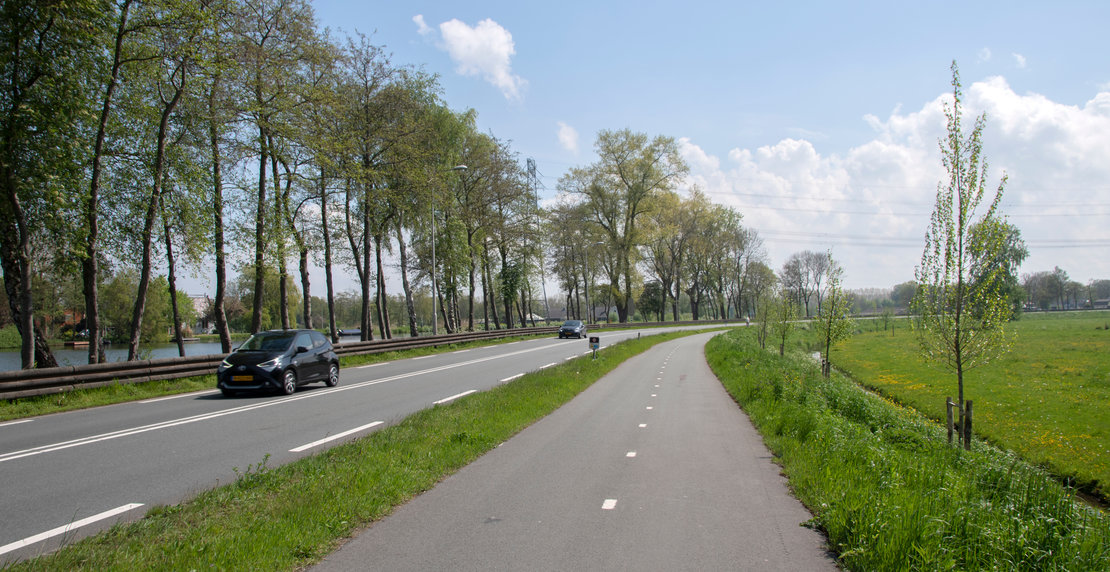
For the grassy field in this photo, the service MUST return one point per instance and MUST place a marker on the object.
(1048, 399)
(888, 490)
(289, 517)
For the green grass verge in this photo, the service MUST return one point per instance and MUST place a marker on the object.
(888, 490)
(292, 516)
(98, 396)
(1047, 399)
(124, 392)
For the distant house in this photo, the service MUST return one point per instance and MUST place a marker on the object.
(1101, 304)
(202, 305)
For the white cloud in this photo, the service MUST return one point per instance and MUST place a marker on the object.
(984, 55)
(484, 50)
(568, 137)
(421, 27)
(1020, 60)
(871, 204)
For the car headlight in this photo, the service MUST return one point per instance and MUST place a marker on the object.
(270, 364)
(225, 364)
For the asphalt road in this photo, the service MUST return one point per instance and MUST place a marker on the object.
(654, 467)
(69, 475)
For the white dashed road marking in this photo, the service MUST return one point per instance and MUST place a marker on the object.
(67, 528)
(454, 397)
(334, 437)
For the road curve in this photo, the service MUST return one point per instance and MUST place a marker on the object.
(69, 475)
(654, 467)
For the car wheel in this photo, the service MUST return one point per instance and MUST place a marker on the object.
(333, 376)
(227, 392)
(289, 382)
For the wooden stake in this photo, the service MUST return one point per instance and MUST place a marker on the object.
(949, 404)
(967, 427)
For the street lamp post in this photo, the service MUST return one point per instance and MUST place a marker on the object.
(435, 291)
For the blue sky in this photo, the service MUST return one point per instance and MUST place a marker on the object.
(817, 120)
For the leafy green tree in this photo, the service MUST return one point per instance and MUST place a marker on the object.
(619, 189)
(961, 326)
(242, 289)
(118, 294)
(902, 295)
(758, 280)
(272, 38)
(997, 251)
(651, 299)
(833, 320)
(783, 313)
(50, 49)
(1098, 290)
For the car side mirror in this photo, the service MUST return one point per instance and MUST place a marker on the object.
(302, 349)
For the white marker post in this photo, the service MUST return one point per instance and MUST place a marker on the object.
(595, 342)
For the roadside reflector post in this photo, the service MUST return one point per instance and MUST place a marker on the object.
(595, 342)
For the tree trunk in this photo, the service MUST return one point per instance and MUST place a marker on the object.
(218, 223)
(356, 253)
(90, 270)
(485, 298)
(148, 226)
(306, 287)
(491, 293)
(16, 262)
(379, 291)
(367, 246)
(281, 209)
(259, 233)
(410, 306)
(473, 285)
(332, 331)
(171, 278)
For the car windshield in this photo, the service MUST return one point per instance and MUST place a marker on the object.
(268, 341)
(572, 323)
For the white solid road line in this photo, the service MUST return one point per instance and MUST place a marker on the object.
(64, 529)
(371, 365)
(334, 437)
(16, 422)
(510, 378)
(191, 394)
(454, 397)
(547, 366)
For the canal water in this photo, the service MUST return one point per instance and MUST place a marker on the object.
(9, 360)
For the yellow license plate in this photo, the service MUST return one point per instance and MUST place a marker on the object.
(242, 378)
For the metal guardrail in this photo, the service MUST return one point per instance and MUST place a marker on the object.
(32, 382)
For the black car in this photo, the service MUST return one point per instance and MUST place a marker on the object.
(576, 328)
(279, 360)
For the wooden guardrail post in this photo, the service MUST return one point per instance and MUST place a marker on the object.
(967, 426)
(948, 405)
